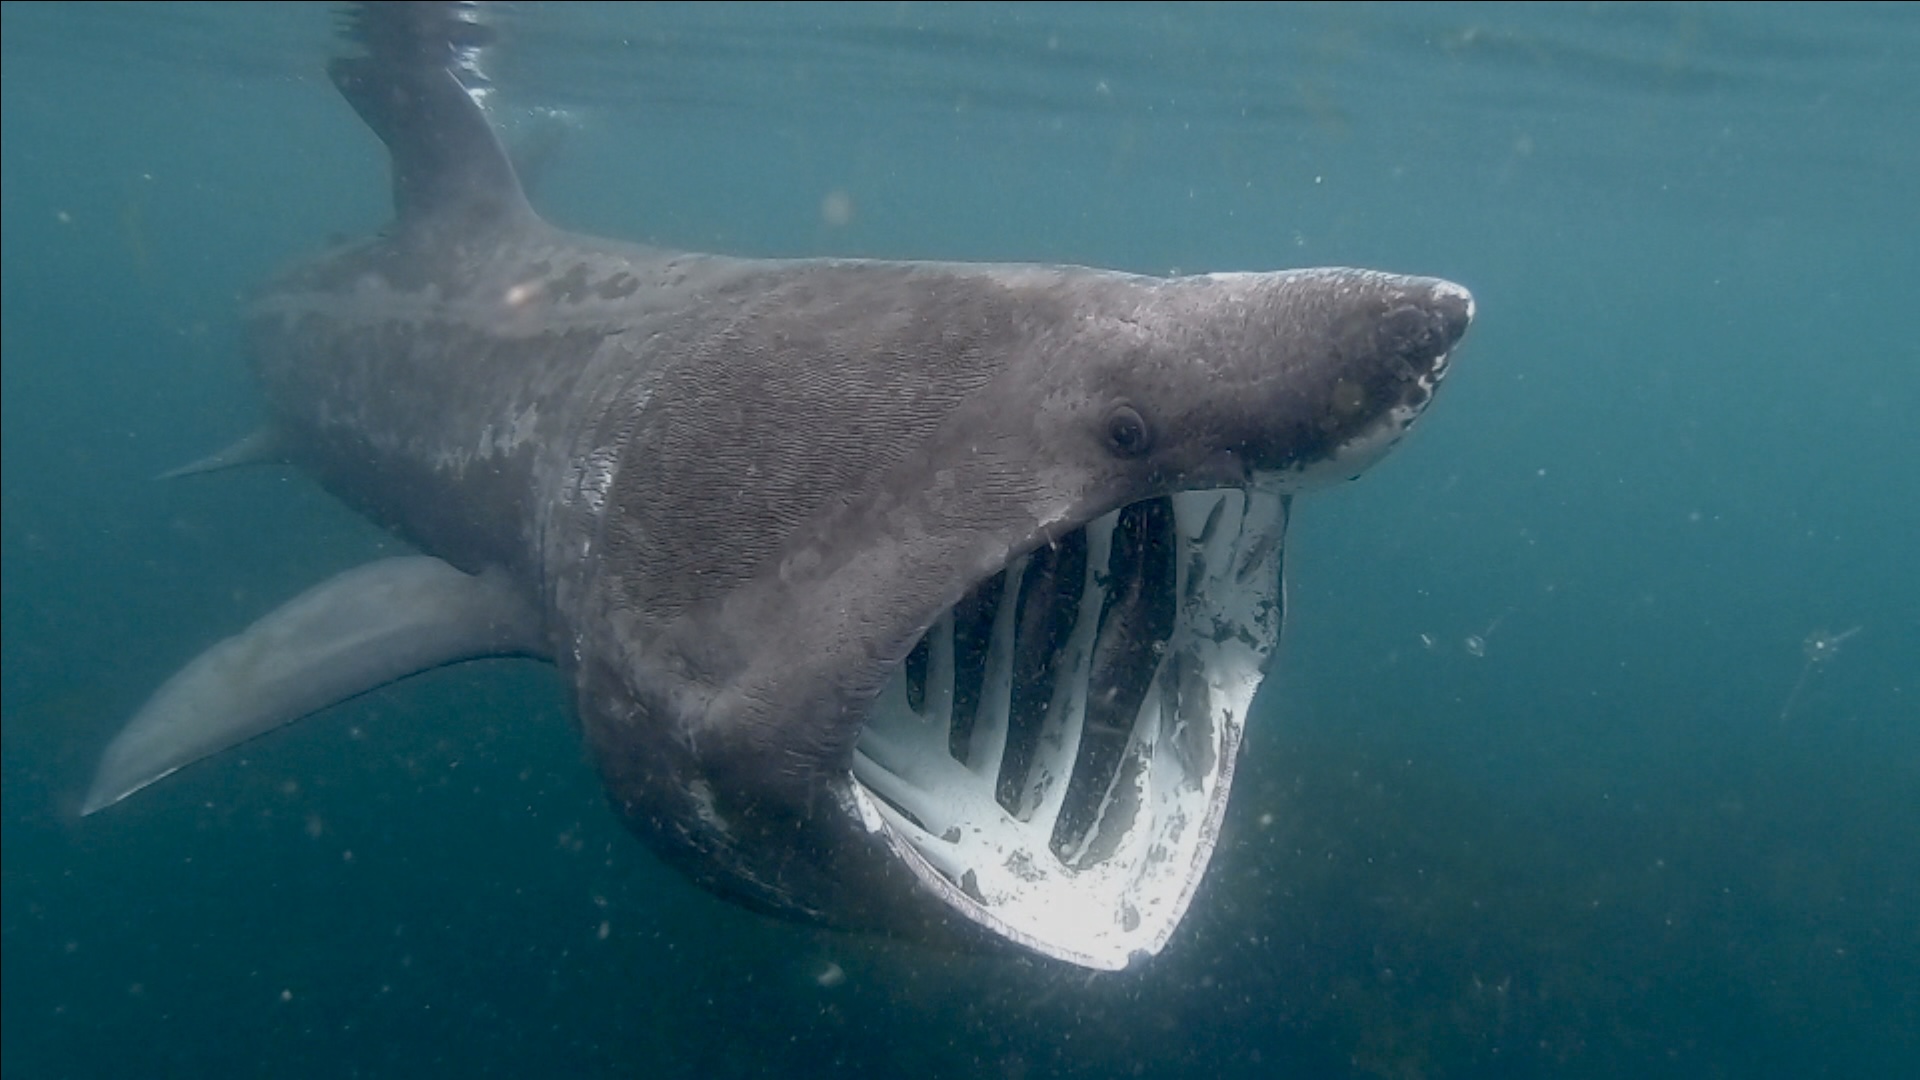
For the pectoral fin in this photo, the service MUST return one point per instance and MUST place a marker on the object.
(262, 447)
(356, 632)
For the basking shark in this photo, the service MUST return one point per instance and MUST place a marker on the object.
(927, 598)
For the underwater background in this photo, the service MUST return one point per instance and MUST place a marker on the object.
(1594, 748)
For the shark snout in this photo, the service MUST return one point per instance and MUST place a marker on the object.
(1449, 310)
(1453, 305)
(1422, 327)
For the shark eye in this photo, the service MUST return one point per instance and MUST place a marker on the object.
(1127, 432)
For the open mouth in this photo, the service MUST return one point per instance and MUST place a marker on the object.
(1054, 757)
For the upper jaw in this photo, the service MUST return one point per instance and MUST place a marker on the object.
(1055, 764)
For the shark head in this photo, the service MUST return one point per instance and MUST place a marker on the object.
(991, 572)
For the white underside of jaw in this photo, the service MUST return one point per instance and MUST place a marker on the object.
(1117, 888)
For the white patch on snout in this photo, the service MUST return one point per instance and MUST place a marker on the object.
(1448, 290)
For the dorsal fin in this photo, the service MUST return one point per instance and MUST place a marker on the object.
(449, 170)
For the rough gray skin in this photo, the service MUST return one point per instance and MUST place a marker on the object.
(737, 492)
(743, 489)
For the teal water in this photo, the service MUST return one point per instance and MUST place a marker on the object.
(1631, 827)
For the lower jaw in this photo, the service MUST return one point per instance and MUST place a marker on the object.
(1055, 761)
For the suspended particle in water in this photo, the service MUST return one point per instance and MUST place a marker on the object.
(1477, 643)
(1818, 647)
(836, 208)
(1821, 646)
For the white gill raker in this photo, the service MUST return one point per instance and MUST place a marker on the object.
(946, 858)
(1176, 798)
(892, 776)
(1232, 665)
(889, 739)
(1269, 507)
(1199, 514)
(1059, 746)
(1231, 662)
(937, 700)
(1119, 887)
(994, 713)
(1210, 525)
(1212, 528)
(1139, 746)
(901, 738)
(1242, 547)
(1192, 512)
(896, 766)
(902, 754)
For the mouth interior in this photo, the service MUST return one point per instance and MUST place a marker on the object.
(1054, 756)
